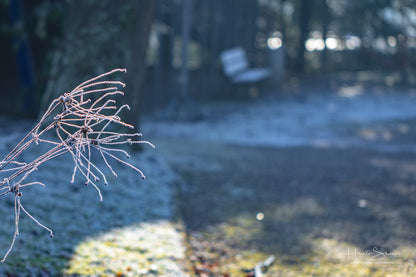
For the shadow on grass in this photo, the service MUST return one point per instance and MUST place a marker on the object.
(356, 198)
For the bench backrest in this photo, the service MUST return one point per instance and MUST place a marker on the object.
(234, 61)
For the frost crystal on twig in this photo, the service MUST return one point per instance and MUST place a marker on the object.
(79, 121)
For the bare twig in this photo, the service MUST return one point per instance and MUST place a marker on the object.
(79, 128)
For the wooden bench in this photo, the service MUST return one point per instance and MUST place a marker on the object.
(236, 68)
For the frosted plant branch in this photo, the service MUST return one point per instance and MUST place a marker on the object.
(75, 124)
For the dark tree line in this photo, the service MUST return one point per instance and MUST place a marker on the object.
(71, 41)
(64, 42)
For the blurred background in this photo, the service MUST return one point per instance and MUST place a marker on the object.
(285, 129)
(173, 48)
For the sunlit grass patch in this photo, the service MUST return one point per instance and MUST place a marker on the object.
(146, 249)
(235, 248)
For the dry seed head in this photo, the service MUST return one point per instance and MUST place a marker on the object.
(80, 118)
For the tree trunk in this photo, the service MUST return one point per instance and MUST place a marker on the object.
(138, 40)
(100, 36)
(305, 13)
(325, 27)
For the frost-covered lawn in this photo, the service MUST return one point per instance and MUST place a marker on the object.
(284, 120)
(131, 233)
(331, 173)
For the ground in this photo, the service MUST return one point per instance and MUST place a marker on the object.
(134, 231)
(319, 174)
(318, 204)
(324, 181)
